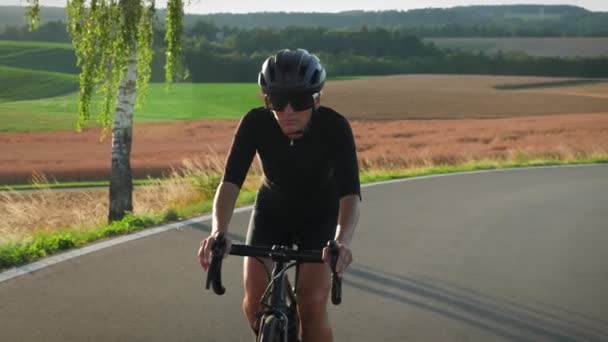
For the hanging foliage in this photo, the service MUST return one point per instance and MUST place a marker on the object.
(146, 52)
(105, 34)
(33, 14)
(173, 38)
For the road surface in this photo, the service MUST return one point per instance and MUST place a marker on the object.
(500, 256)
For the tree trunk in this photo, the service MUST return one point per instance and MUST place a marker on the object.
(121, 181)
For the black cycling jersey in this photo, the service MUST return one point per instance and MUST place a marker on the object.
(302, 178)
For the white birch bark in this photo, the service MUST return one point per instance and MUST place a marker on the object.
(121, 181)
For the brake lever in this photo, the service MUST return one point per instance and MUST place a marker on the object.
(336, 281)
(214, 275)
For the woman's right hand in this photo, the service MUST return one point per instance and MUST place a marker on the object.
(204, 252)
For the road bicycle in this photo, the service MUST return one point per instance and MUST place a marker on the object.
(279, 320)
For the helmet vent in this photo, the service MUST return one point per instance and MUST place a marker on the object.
(302, 71)
(315, 77)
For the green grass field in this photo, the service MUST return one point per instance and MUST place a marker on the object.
(39, 84)
(43, 56)
(20, 84)
(34, 70)
(33, 99)
(42, 96)
(186, 101)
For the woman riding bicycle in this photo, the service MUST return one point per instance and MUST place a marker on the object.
(309, 193)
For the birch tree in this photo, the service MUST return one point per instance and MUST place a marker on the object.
(113, 42)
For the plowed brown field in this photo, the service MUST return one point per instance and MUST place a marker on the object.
(410, 119)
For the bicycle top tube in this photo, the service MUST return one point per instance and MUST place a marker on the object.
(287, 254)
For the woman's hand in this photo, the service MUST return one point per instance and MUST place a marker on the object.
(204, 252)
(344, 258)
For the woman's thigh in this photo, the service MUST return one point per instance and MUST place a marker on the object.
(255, 278)
(314, 283)
(263, 231)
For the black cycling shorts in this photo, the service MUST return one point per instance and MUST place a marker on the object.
(312, 234)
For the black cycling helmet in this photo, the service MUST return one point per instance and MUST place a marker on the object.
(292, 71)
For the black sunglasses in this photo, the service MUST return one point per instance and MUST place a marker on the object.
(298, 101)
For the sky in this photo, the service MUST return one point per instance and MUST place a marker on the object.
(245, 6)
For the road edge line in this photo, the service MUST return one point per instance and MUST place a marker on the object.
(55, 259)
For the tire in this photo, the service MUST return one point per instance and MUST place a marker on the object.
(271, 329)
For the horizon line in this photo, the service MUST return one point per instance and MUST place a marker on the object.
(356, 10)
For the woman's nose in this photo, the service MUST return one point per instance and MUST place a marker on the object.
(288, 108)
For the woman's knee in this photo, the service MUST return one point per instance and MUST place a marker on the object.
(313, 291)
(312, 306)
(250, 304)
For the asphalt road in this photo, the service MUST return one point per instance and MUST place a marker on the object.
(514, 255)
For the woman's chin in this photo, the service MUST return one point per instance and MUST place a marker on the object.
(292, 132)
(294, 136)
(289, 129)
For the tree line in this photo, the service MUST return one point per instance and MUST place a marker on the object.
(466, 21)
(229, 54)
(217, 54)
(208, 67)
(469, 21)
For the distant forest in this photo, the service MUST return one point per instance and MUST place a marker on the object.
(222, 53)
(469, 21)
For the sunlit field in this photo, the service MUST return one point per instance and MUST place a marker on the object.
(401, 124)
(392, 97)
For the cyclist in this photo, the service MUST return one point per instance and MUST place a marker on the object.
(309, 193)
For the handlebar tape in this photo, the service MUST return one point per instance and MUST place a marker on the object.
(214, 275)
(336, 281)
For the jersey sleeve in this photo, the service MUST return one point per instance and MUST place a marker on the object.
(241, 152)
(346, 163)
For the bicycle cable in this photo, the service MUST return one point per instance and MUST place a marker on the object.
(272, 280)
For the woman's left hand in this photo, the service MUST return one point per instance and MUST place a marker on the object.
(344, 258)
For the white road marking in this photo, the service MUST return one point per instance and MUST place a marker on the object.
(55, 259)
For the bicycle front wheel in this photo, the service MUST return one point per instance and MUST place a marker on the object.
(272, 331)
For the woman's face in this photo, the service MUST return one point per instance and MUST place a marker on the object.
(293, 122)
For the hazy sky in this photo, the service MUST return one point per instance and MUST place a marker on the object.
(243, 6)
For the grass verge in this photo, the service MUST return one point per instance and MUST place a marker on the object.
(45, 243)
(522, 161)
(71, 185)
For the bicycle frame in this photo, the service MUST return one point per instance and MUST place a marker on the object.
(279, 292)
(281, 256)
(277, 285)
